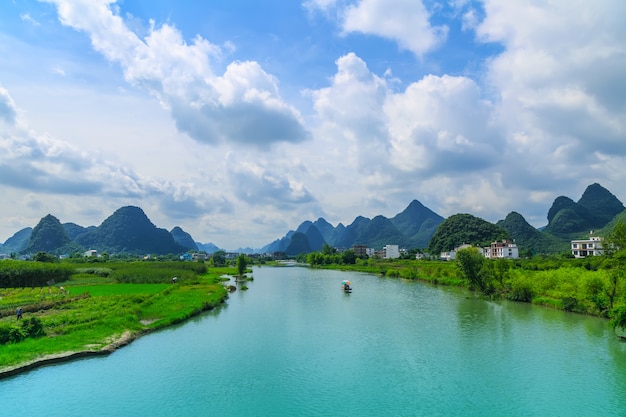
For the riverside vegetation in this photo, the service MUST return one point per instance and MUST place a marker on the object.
(91, 308)
(593, 285)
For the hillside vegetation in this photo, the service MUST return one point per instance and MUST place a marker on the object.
(462, 229)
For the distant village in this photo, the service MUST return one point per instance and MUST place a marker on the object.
(505, 249)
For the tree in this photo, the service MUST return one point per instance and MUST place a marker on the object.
(470, 262)
(348, 257)
(219, 258)
(242, 263)
(328, 250)
(615, 264)
(45, 257)
(615, 241)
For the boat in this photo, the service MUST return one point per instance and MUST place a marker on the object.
(346, 286)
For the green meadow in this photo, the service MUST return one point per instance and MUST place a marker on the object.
(96, 307)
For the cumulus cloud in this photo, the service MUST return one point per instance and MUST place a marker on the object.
(406, 22)
(436, 126)
(39, 163)
(562, 71)
(258, 185)
(242, 106)
(8, 112)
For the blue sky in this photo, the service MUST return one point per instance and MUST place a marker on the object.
(237, 120)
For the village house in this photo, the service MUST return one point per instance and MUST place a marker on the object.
(450, 256)
(391, 252)
(581, 248)
(504, 249)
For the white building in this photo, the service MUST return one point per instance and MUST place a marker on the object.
(501, 250)
(451, 256)
(587, 247)
(90, 253)
(391, 251)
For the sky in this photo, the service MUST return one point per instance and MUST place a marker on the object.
(237, 120)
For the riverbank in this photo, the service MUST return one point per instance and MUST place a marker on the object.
(110, 345)
(558, 283)
(93, 315)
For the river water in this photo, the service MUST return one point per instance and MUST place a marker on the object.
(295, 345)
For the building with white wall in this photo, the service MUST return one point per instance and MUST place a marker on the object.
(581, 248)
(391, 251)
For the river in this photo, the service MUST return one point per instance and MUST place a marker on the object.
(295, 345)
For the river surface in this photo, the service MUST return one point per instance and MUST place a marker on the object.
(295, 345)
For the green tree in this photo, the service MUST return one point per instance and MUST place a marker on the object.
(348, 257)
(219, 258)
(45, 257)
(615, 241)
(470, 262)
(242, 263)
(328, 250)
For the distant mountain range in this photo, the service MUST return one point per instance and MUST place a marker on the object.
(413, 227)
(128, 230)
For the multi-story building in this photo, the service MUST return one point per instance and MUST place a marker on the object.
(360, 250)
(391, 251)
(504, 249)
(587, 247)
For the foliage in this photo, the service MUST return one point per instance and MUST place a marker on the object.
(219, 258)
(470, 262)
(128, 230)
(530, 239)
(242, 264)
(90, 322)
(465, 228)
(14, 333)
(595, 209)
(34, 274)
(50, 236)
(615, 240)
(153, 272)
(45, 257)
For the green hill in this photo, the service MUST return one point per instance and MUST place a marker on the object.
(129, 230)
(49, 236)
(465, 229)
(529, 239)
(568, 219)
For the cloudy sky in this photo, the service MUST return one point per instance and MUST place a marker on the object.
(239, 119)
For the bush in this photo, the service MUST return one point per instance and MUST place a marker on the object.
(32, 327)
(521, 290)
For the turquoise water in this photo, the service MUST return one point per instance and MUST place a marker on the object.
(296, 345)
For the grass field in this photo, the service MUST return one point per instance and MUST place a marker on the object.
(118, 289)
(90, 311)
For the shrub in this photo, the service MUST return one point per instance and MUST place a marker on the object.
(32, 327)
(521, 290)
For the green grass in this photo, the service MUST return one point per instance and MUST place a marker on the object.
(118, 289)
(89, 317)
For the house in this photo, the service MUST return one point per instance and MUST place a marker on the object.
(391, 252)
(196, 256)
(504, 249)
(582, 248)
(360, 250)
(450, 256)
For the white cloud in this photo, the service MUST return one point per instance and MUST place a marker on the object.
(560, 85)
(243, 105)
(27, 18)
(403, 21)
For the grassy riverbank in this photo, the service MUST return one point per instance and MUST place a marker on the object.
(590, 286)
(98, 309)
